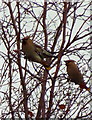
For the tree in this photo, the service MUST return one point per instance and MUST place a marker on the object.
(27, 89)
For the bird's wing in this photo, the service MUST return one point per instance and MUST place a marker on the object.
(39, 51)
(43, 53)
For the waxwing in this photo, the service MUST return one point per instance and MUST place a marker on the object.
(34, 52)
(75, 75)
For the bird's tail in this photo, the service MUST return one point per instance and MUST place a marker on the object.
(46, 65)
(83, 86)
(87, 88)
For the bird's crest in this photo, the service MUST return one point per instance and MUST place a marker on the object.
(26, 38)
(67, 61)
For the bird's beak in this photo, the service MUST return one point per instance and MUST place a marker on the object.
(16, 51)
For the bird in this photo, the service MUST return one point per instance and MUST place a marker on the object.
(75, 75)
(35, 53)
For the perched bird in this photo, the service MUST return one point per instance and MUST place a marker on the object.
(34, 52)
(75, 75)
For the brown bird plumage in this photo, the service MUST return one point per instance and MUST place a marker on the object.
(34, 52)
(74, 74)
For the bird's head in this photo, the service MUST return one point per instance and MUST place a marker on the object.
(24, 40)
(69, 62)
